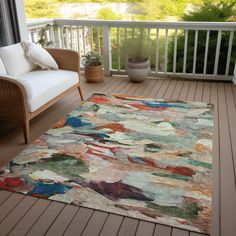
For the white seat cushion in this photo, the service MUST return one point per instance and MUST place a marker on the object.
(2, 68)
(44, 85)
(15, 61)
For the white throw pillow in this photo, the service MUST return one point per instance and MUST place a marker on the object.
(39, 56)
(15, 61)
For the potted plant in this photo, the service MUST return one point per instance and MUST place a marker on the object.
(137, 62)
(42, 35)
(93, 67)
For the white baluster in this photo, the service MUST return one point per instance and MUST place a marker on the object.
(185, 50)
(195, 51)
(206, 52)
(229, 52)
(175, 51)
(217, 52)
(157, 50)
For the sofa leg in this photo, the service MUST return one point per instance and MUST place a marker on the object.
(26, 131)
(80, 92)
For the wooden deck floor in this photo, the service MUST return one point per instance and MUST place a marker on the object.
(25, 215)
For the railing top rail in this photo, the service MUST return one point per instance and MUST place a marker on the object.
(39, 23)
(138, 24)
(150, 24)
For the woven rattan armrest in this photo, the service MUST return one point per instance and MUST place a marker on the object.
(13, 100)
(66, 59)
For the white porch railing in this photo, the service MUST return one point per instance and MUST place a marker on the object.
(176, 49)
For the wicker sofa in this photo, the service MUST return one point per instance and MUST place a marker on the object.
(24, 96)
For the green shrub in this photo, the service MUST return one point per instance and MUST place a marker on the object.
(220, 11)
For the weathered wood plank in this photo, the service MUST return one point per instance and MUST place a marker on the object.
(116, 86)
(170, 89)
(90, 88)
(126, 88)
(179, 232)
(30, 218)
(192, 91)
(231, 109)
(14, 217)
(148, 88)
(216, 172)
(110, 86)
(9, 205)
(79, 222)
(141, 87)
(135, 86)
(4, 195)
(155, 88)
(234, 92)
(228, 193)
(162, 230)
(95, 223)
(63, 220)
(184, 91)
(145, 228)
(128, 227)
(177, 90)
(119, 89)
(46, 219)
(161, 92)
(199, 92)
(112, 225)
(206, 92)
(195, 234)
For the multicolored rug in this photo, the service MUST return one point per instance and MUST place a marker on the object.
(140, 157)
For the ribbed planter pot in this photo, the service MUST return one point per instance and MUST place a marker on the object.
(94, 74)
(138, 69)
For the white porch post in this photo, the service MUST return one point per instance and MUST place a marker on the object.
(21, 19)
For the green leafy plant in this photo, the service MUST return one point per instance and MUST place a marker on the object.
(136, 45)
(43, 40)
(91, 59)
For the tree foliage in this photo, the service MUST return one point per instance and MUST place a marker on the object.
(106, 13)
(142, 9)
(153, 10)
(50, 8)
(41, 8)
(218, 11)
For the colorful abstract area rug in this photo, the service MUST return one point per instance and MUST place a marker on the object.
(140, 157)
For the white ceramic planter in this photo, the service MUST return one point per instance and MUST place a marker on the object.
(138, 69)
